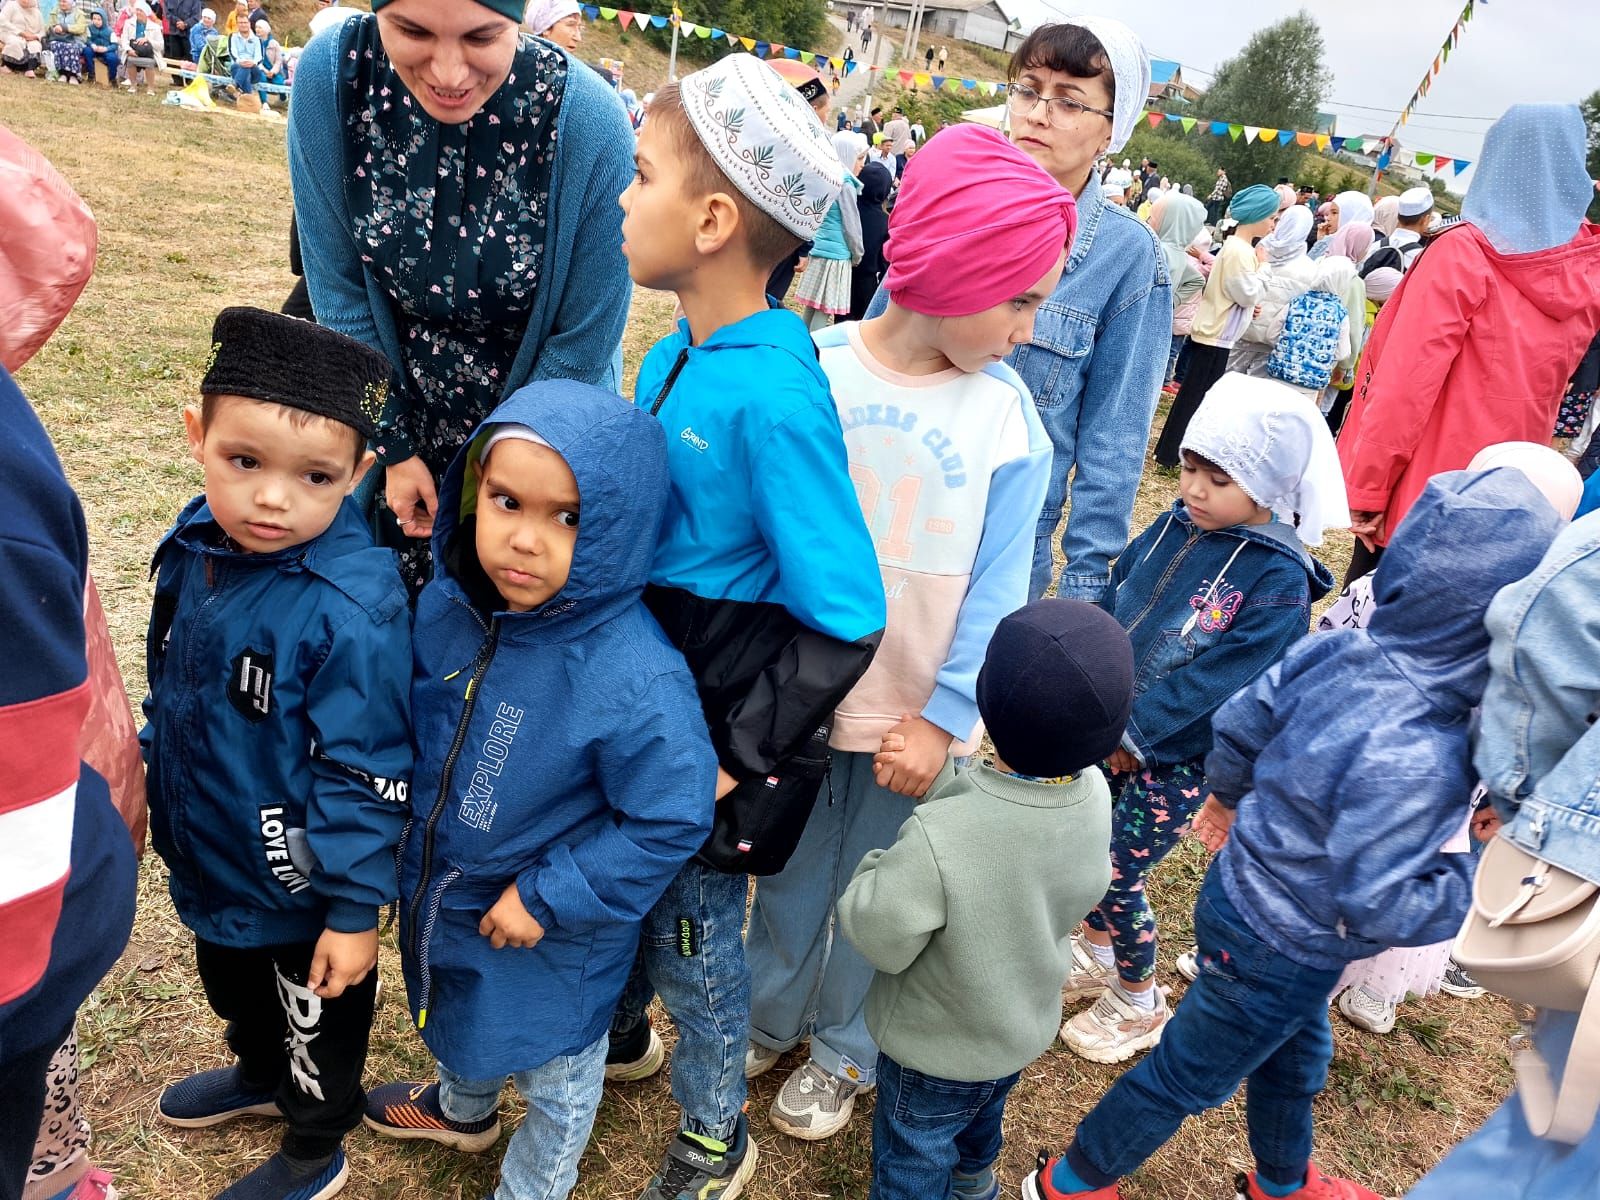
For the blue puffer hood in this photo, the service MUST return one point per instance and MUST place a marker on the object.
(1466, 527)
(618, 455)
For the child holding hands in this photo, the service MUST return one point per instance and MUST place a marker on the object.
(1212, 594)
(951, 465)
(968, 915)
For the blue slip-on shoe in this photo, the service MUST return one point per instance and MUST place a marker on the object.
(212, 1097)
(278, 1179)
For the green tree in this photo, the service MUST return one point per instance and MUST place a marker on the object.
(1276, 82)
(799, 23)
(1591, 118)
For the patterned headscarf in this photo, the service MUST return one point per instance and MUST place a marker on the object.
(1531, 187)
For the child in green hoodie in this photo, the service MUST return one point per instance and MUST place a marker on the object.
(968, 917)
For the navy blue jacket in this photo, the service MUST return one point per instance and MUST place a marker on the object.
(1207, 613)
(66, 861)
(562, 749)
(277, 739)
(1349, 761)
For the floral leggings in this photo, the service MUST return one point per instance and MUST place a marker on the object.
(1151, 814)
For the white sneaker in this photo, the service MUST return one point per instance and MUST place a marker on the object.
(759, 1059)
(813, 1104)
(1113, 1030)
(1188, 964)
(1361, 1008)
(1089, 975)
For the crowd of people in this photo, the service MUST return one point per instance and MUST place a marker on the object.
(456, 626)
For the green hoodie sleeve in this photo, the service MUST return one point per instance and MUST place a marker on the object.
(895, 902)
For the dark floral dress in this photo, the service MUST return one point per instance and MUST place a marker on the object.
(451, 222)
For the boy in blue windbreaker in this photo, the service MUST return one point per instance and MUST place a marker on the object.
(278, 740)
(1212, 595)
(1336, 779)
(766, 577)
(563, 776)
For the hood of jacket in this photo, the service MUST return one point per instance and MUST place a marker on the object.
(1560, 281)
(1469, 534)
(343, 554)
(618, 456)
(1275, 535)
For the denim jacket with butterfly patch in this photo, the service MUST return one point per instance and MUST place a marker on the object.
(1208, 611)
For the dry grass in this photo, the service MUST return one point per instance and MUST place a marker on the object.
(193, 210)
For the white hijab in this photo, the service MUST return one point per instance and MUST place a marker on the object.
(1287, 241)
(1130, 67)
(1276, 446)
(1355, 208)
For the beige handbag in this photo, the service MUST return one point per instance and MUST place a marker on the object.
(1533, 934)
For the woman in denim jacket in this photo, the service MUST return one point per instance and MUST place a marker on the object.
(1538, 751)
(1212, 595)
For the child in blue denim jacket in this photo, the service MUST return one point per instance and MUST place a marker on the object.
(1330, 826)
(1212, 594)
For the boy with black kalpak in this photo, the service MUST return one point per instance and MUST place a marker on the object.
(278, 737)
(765, 578)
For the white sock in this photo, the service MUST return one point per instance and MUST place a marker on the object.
(1106, 956)
(1144, 1001)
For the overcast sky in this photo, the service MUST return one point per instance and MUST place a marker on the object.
(1379, 50)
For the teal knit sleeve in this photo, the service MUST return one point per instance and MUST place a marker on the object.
(597, 141)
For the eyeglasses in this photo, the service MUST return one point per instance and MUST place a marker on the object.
(1060, 110)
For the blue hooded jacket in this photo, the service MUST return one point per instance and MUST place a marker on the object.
(277, 739)
(1349, 761)
(562, 749)
(1208, 612)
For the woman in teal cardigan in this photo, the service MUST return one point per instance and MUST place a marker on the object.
(455, 188)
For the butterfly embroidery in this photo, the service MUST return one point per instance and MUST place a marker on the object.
(1216, 615)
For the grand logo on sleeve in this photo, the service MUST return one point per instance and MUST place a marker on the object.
(250, 685)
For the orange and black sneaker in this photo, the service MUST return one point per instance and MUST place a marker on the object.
(1316, 1187)
(411, 1111)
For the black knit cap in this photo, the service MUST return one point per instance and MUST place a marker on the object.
(1056, 687)
(299, 364)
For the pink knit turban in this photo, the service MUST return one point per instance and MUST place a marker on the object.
(977, 223)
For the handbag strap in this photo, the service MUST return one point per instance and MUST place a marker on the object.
(1567, 1117)
(1531, 886)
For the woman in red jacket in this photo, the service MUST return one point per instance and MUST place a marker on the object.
(1479, 340)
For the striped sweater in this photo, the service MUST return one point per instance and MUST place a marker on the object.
(66, 862)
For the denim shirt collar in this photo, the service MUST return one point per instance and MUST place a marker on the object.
(1091, 206)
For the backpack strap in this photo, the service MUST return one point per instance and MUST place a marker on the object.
(1566, 1116)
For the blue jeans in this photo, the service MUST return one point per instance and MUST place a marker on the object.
(691, 953)
(541, 1161)
(1253, 1016)
(246, 78)
(925, 1129)
(804, 976)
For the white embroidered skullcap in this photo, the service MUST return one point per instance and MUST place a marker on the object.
(765, 139)
(1130, 67)
(1415, 201)
(1276, 446)
(509, 432)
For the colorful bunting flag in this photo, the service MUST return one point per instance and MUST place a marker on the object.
(1322, 141)
(1218, 128)
(659, 22)
(1154, 119)
(1336, 142)
(687, 28)
(1267, 135)
(748, 43)
(1304, 139)
(1188, 124)
(987, 88)
(624, 17)
(1354, 145)
(1284, 135)
(1234, 131)
(938, 82)
(1251, 132)
(1440, 162)
(1461, 165)
(1423, 159)
(609, 14)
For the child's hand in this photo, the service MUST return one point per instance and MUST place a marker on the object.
(409, 492)
(341, 960)
(1485, 823)
(911, 768)
(508, 923)
(725, 783)
(1122, 762)
(1213, 823)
